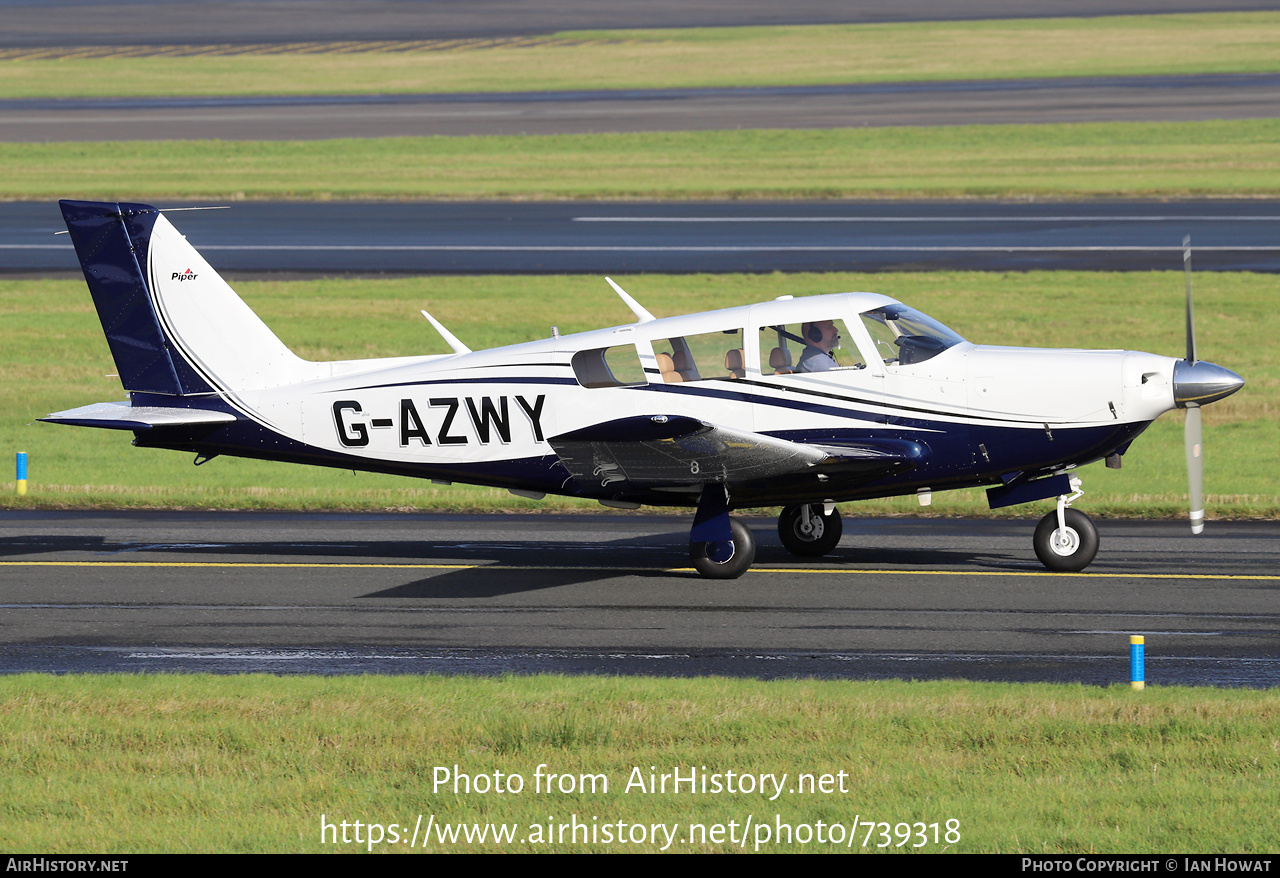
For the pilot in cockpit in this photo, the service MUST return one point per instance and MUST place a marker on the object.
(821, 339)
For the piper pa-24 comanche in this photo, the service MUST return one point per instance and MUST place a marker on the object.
(799, 402)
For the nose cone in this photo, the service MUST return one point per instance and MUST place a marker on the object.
(1200, 383)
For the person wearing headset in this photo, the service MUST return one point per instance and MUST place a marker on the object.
(821, 339)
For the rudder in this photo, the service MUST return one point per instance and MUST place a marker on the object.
(111, 242)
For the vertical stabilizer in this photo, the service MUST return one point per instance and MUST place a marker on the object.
(111, 243)
(173, 324)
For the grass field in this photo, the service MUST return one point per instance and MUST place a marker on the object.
(745, 56)
(1223, 158)
(55, 357)
(135, 764)
(1230, 158)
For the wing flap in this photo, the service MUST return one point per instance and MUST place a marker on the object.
(124, 416)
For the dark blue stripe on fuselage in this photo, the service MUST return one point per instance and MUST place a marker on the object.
(954, 458)
(949, 464)
(889, 409)
(886, 412)
(748, 397)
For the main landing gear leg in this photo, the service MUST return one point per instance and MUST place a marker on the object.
(720, 547)
(1066, 540)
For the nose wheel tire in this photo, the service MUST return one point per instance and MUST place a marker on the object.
(812, 538)
(728, 559)
(1070, 550)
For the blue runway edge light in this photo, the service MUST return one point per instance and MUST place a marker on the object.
(21, 476)
(1137, 659)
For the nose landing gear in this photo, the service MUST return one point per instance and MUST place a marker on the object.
(1066, 540)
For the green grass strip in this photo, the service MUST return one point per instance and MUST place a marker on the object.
(55, 358)
(168, 763)
(796, 55)
(1220, 158)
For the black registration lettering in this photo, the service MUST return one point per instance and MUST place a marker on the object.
(354, 434)
(443, 436)
(411, 426)
(534, 412)
(488, 417)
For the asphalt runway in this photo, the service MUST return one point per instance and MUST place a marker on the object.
(168, 22)
(255, 239)
(316, 593)
(1027, 101)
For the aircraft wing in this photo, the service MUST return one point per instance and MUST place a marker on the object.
(124, 416)
(675, 450)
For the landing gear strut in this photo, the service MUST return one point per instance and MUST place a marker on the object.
(1066, 540)
(806, 531)
(725, 559)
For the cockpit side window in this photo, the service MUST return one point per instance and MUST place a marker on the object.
(786, 349)
(904, 336)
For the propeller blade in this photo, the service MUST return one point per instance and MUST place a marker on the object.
(1191, 318)
(1195, 468)
(1193, 436)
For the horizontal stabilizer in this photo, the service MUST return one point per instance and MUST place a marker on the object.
(123, 416)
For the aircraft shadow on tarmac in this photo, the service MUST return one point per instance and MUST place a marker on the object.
(507, 575)
(575, 568)
(506, 567)
(499, 581)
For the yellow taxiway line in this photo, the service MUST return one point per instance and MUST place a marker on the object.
(858, 571)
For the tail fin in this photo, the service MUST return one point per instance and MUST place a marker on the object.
(173, 325)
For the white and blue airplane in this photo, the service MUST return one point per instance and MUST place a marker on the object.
(802, 403)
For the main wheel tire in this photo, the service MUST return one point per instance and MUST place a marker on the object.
(1070, 552)
(824, 530)
(741, 553)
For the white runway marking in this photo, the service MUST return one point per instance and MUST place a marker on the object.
(922, 219)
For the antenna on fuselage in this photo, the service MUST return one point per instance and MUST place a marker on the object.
(642, 315)
(458, 347)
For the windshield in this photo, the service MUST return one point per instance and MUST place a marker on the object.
(904, 336)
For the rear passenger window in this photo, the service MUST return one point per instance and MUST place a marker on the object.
(701, 357)
(618, 366)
